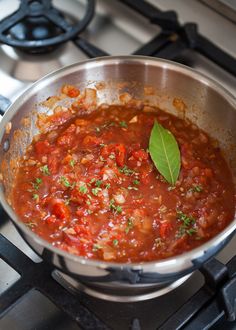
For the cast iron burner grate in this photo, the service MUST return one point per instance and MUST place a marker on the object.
(38, 276)
(38, 27)
(173, 40)
(213, 303)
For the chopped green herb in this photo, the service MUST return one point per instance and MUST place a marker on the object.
(123, 124)
(88, 202)
(96, 247)
(116, 208)
(196, 189)
(65, 181)
(129, 225)
(89, 211)
(95, 191)
(37, 183)
(181, 231)
(191, 231)
(72, 162)
(108, 185)
(83, 189)
(126, 170)
(92, 180)
(137, 182)
(171, 188)
(112, 202)
(98, 183)
(102, 159)
(35, 197)
(187, 224)
(115, 242)
(44, 169)
(102, 145)
(187, 220)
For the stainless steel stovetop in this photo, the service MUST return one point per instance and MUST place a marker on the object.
(117, 30)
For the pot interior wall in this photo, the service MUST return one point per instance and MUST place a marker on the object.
(155, 82)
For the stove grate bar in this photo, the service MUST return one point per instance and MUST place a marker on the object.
(171, 51)
(14, 257)
(68, 303)
(207, 318)
(89, 49)
(188, 311)
(214, 302)
(214, 53)
(168, 20)
(187, 35)
(10, 297)
(157, 43)
(39, 276)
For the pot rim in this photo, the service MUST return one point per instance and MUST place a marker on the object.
(117, 60)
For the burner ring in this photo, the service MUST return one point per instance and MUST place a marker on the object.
(114, 293)
(43, 8)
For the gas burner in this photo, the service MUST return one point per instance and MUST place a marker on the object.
(38, 27)
(113, 292)
(35, 28)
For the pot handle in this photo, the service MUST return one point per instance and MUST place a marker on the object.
(4, 105)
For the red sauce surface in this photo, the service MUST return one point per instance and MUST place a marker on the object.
(89, 187)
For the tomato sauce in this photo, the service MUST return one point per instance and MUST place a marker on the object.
(89, 187)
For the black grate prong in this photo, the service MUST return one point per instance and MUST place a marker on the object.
(39, 276)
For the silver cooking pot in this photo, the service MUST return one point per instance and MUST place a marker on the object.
(202, 100)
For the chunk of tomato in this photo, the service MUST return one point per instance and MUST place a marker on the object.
(73, 92)
(120, 152)
(140, 154)
(164, 229)
(60, 210)
(42, 147)
(91, 140)
(82, 231)
(52, 221)
(68, 136)
(53, 164)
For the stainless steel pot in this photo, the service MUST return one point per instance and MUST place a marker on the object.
(204, 102)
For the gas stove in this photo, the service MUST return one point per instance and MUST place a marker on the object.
(52, 35)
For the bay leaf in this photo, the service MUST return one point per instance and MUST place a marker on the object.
(165, 154)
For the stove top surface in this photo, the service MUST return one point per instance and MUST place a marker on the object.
(116, 29)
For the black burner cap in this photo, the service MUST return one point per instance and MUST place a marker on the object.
(35, 28)
(38, 27)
